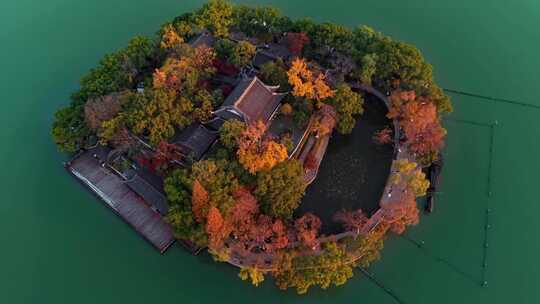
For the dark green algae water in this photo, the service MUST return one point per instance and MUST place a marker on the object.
(60, 245)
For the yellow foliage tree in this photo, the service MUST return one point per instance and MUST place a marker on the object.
(170, 38)
(409, 173)
(254, 274)
(257, 152)
(305, 85)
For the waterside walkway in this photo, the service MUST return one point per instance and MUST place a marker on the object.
(90, 169)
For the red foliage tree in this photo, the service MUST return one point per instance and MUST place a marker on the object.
(383, 137)
(296, 41)
(307, 229)
(279, 237)
(420, 122)
(162, 158)
(351, 220)
(401, 212)
(243, 212)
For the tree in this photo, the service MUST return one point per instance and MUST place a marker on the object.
(410, 177)
(118, 71)
(286, 109)
(170, 38)
(69, 131)
(256, 276)
(398, 66)
(351, 220)
(307, 229)
(199, 201)
(274, 73)
(97, 110)
(203, 103)
(328, 37)
(231, 132)
(347, 104)
(305, 85)
(280, 190)
(331, 267)
(218, 229)
(325, 121)
(242, 54)
(219, 181)
(216, 16)
(244, 211)
(165, 157)
(185, 26)
(224, 48)
(261, 22)
(383, 136)
(400, 213)
(158, 113)
(295, 42)
(419, 120)
(257, 152)
(184, 74)
(368, 68)
(178, 186)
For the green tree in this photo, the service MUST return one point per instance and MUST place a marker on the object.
(275, 73)
(69, 130)
(230, 133)
(261, 22)
(368, 68)
(216, 16)
(220, 182)
(347, 104)
(118, 71)
(180, 216)
(224, 48)
(327, 38)
(158, 113)
(242, 54)
(331, 267)
(280, 190)
(398, 66)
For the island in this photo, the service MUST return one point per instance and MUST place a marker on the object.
(286, 148)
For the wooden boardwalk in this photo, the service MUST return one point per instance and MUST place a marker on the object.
(121, 199)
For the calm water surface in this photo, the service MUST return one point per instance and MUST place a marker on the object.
(60, 245)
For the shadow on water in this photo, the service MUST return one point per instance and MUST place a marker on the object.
(353, 172)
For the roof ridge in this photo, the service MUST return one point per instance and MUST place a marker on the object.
(253, 81)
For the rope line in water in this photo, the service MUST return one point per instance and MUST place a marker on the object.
(496, 99)
(487, 226)
(371, 277)
(421, 246)
(470, 122)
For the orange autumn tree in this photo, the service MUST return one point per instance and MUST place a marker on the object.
(307, 230)
(351, 220)
(383, 137)
(258, 152)
(420, 122)
(179, 74)
(401, 212)
(199, 201)
(218, 229)
(305, 84)
(170, 38)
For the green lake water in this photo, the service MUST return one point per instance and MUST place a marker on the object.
(60, 245)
